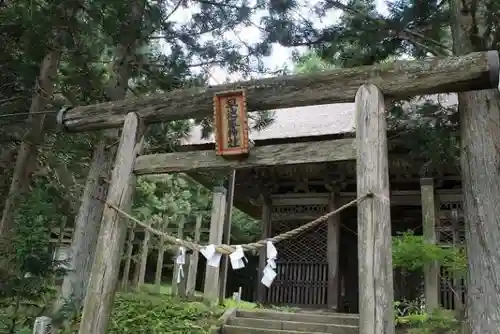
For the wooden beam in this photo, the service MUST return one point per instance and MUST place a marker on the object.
(102, 284)
(398, 198)
(272, 155)
(376, 289)
(397, 79)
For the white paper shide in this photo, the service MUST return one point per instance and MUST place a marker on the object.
(237, 258)
(180, 260)
(269, 273)
(213, 258)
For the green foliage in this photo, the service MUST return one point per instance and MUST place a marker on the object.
(440, 321)
(244, 229)
(232, 304)
(411, 252)
(167, 195)
(312, 63)
(411, 315)
(143, 313)
(26, 284)
(175, 197)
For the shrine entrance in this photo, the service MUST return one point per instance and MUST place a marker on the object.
(367, 86)
(310, 264)
(302, 267)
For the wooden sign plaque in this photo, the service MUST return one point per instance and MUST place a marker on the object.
(231, 124)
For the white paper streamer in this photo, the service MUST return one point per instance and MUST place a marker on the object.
(238, 258)
(180, 274)
(268, 277)
(213, 258)
(271, 251)
(181, 256)
(271, 263)
(269, 274)
(180, 260)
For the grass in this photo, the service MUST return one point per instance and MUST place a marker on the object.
(151, 311)
(141, 312)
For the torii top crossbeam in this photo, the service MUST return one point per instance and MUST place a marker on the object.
(399, 79)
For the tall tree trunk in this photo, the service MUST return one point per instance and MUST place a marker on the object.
(85, 232)
(480, 164)
(90, 214)
(27, 155)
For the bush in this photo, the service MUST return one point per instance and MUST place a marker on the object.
(144, 313)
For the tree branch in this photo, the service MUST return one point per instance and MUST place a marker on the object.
(405, 34)
(176, 7)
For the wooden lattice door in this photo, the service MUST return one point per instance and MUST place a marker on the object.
(302, 265)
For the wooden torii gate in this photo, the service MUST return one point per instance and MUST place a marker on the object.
(367, 86)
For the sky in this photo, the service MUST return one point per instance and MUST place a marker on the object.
(280, 56)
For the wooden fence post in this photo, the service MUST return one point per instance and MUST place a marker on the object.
(43, 325)
(144, 257)
(227, 234)
(177, 267)
(182, 286)
(128, 256)
(457, 279)
(161, 253)
(211, 289)
(104, 275)
(333, 254)
(193, 259)
(431, 271)
(376, 290)
(266, 232)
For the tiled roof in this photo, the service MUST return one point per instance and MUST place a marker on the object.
(307, 122)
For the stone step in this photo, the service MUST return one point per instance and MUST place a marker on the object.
(293, 325)
(226, 329)
(309, 317)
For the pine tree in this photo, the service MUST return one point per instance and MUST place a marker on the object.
(42, 93)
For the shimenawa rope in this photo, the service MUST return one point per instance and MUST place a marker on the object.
(229, 249)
